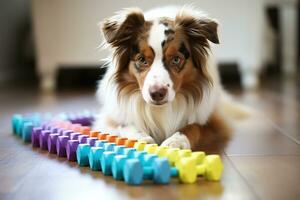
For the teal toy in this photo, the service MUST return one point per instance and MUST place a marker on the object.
(94, 158)
(26, 131)
(82, 154)
(119, 162)
(154, 168)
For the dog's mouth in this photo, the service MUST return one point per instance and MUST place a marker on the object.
(158, 103)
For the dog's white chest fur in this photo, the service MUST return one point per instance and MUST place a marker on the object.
(159, 122)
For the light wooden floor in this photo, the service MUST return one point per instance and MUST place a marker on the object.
(261, 162)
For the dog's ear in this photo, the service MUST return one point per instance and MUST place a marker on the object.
(210, 30)
(198, 29)
(123, 28)
(197, 26)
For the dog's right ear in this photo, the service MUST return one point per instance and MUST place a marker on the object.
(123, 28)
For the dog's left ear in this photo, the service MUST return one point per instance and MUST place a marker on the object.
(210, 30)
(198, 27)
(123, 28)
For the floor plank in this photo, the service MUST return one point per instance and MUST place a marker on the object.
(259, 137)
(272, 177)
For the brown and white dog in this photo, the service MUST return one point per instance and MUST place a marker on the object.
(162, 85)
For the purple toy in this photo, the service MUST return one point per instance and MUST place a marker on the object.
(61, 144)
(71, 150)
(44, 139)
(91, 141)
(35, 136)
(82, 139)
(52, 142)
(74, 136)
(67, 133)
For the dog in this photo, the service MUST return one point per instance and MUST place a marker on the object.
(162, 85)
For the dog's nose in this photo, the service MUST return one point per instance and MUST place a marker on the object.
(158, 93)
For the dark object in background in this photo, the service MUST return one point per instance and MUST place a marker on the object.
(272, 14)
(79, 77)
(298, 50)
(230, 75)
(16, 53)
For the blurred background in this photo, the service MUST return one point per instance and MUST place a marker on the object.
(52, 44)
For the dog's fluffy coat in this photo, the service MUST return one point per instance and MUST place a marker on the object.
(169, 51)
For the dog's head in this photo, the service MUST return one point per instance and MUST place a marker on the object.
(162, 57)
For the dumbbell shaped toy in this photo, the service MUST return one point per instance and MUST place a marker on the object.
(118, 163)
(188, 169)
(151, 168)
(15, 122)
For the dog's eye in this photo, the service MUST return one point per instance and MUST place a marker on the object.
(176, 60)
(142, 60)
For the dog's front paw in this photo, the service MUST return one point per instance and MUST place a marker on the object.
(177, 140)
